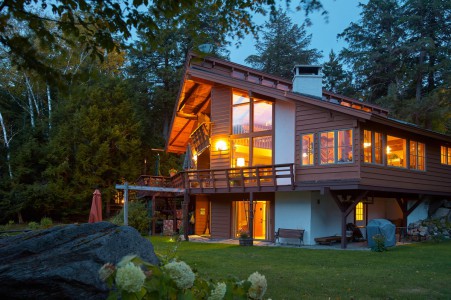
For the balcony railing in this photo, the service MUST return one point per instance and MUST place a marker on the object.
(236, 178)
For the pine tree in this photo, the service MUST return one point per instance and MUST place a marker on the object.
(336, 79)
(282, 46)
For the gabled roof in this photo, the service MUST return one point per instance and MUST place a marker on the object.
(202, 73)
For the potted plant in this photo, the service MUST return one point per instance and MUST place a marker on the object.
(245, 239)
(172, 172)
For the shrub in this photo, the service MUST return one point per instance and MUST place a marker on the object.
(46, 222)
(137, 217)
(33, 226)
(174, 280)
(379, 241)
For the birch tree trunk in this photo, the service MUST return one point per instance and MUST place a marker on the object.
(49, 106)
(6, 141)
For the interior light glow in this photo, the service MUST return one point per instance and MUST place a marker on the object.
(388, 150)
(366, 145)
(240, 162)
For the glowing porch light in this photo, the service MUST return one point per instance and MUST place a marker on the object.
(221, 145)
(240, 162)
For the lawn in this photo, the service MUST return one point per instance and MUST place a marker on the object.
(415, 271)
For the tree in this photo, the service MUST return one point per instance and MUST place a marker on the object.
(283, 45)
(336, 79)
(99, 25)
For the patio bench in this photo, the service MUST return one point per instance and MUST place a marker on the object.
(290, 234)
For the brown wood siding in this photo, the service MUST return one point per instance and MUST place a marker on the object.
(311, 119)
(221, 118)
(200, 225)
(437, 176)
(221, 217)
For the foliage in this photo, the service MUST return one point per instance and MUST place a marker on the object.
(336, 79)
(283, 45)
(33, 225)
(379, 243)
(400, 56)
(46, 222)
(174, 280)
(137, 217)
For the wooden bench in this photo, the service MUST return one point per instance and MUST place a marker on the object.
(290, 234)
(328, 240)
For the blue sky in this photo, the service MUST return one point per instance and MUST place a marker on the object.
(324, 35)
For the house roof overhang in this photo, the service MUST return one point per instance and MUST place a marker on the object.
(202, 73)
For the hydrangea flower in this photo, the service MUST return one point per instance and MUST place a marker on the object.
(258, 285)
(130, 278)
(106, 271)
(181, 273)
(219, 292)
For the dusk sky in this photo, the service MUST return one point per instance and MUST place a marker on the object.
(324, 35)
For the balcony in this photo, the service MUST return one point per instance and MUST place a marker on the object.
(268, 178)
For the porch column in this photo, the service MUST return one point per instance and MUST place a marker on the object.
(402, 202)
(185, 204)
(251, 215)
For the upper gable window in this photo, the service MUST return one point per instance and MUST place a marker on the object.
(241, 114)
(336, 147)
(417, 156)
(445, 154)
(262, 115)
(396, 151)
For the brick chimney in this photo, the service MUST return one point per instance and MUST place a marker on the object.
(308, 80)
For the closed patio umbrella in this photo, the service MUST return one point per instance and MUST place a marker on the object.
(96, 207)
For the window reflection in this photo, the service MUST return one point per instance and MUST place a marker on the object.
(327, 147)
(307, 149)
(262, 115)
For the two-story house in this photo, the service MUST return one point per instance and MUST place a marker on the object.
(267, 153)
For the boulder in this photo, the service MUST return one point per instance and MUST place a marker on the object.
(63, 262)
(441, 212)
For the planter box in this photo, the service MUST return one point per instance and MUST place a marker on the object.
(246, 242)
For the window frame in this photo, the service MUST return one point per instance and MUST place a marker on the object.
(336, 147)
(416, 156)
(312, 153)
(374, 150)
(446, 155)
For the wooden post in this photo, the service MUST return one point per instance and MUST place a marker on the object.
(126, 204)
(185, 204)
(251, 215)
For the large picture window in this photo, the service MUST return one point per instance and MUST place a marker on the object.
(396, 151)
(252, 131)
(307, 146)
(417, 156)
(336, 146)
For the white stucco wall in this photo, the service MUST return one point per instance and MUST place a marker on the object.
(326, 217)
(293, 211)
(284, 135)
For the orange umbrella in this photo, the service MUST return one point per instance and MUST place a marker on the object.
(96, 207)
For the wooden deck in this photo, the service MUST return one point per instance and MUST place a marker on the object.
(246, 179)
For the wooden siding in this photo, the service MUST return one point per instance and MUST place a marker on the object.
(221, 217)
(310, 119)
(200, 225)
(436, 178)
(221, 118)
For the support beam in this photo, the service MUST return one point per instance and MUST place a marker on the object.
(185, 205)
(251, 215)
(125, 187)
(403, 203)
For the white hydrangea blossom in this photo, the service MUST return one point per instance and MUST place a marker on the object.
(181, 273)
(219, 292)
(258, 286)
(130, 278)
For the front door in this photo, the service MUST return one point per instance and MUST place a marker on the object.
(261, 216)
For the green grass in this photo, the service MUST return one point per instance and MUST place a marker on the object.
(415, 271)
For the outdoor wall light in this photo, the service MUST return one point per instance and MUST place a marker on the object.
(221, 145)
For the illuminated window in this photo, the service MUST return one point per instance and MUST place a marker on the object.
(445, 154)
(336, 146)
(359, 211)
(372, 147)
(262, 115)
(262, 150)
(240, 152)
(307, 149)
(417, 156)
(241, 114)
(396, 151)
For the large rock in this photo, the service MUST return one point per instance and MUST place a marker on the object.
(63, 262)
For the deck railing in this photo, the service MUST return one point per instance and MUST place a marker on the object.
(256, 176)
